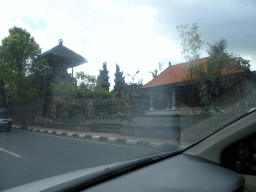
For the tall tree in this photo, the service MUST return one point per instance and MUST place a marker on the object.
(191, 48)
(119, 80)
(104, 77)
(19, 57)
(21, 49)
(2, 84)
(191, 42)
(218, 47)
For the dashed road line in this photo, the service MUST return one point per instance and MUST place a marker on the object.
(9, 152)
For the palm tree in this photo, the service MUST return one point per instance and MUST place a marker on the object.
(154, 73)
(218, 47)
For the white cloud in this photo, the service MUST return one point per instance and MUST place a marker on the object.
(114, 32)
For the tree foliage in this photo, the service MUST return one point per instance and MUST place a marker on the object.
(87, 81)
(191, 42)
(89, 88)
(218, 69)
(191, 48)
(103, 93)
(154, 73)
(67, 89)
(218, 47)
(21, 50)
(18, 58)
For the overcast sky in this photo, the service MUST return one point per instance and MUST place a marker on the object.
(137, 35)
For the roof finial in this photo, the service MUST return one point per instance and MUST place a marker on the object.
(60, 41)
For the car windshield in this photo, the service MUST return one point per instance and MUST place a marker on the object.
(90, 83)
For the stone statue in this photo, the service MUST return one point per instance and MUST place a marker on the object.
(204, 93)
(216, 90)
(90, 105)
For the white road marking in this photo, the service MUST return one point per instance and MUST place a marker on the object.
(131, 142)
(81, 136)
(10, 152)
(95, 137)
(112, 139)
(58, 133)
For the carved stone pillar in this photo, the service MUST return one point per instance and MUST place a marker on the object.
(173, 99)
(152, 104)
(168, 102)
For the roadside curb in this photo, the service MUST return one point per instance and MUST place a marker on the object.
(157, 146)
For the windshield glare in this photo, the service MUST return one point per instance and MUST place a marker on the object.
(90, 83)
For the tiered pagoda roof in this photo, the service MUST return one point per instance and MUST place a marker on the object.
(64, 55)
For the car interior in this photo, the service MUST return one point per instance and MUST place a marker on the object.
(233, 148)
(222, 161)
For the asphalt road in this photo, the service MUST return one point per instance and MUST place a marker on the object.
(26, 157)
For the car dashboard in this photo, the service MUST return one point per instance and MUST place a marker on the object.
(184, 173)
(241, 156)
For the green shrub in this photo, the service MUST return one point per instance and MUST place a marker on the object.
(103, 93)
(67, 110)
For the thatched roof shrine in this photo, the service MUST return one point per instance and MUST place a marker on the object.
(61, 55)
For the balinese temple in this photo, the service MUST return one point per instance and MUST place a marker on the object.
(60, 58)
(168, 88)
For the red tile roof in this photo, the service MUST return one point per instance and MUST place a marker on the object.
(174, 74)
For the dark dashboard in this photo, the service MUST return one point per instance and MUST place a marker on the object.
(183, 173)
(241, 156)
